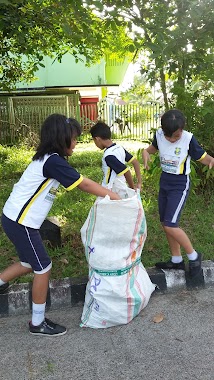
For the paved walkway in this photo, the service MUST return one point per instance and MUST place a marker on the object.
(177, 348)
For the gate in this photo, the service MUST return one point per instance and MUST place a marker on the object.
(131, 121)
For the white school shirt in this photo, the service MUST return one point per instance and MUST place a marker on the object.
(114, 163)
(33, 195)
(175, 157)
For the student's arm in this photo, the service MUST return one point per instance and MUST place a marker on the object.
(129, 179)
(198, 153)
(132, 160)
(136, 165)
(120, 169)
(208, 160)
(58, 168)
(146, 155)
(92, 187)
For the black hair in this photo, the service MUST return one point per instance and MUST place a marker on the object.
(101, 129)
(56, 135)
(171, 121)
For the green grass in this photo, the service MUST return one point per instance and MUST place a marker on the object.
(71, 209)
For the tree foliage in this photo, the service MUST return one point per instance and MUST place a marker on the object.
(139, 92)
(176, 38)
(32, 29)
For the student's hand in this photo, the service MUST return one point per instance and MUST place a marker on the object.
(208, 160)
(114, 196)
(92, 187)
(138, 186)
(211, 164)
(146, 158)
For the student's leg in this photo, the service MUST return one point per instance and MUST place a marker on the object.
(194, 257)
(168, 199)
(41, 264)
(176, 261)
(12, 230)
(178, 238)
(40, 287)
(39, 296)
(170, 216)
(40, 282)
(173, 244)
(13, 271)
(33, 256)
(175, 247)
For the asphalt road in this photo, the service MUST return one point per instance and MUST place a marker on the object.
(179, 345)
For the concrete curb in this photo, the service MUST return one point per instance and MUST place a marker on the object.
(69, 292)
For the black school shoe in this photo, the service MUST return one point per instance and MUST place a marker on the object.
(170, 265)
(47, 328)
(4, 287)
(195, 266)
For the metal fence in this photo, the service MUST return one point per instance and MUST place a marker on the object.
(22, 116)
(131, 121)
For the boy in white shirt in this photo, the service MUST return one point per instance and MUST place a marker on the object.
(176, 148)
(115, 157)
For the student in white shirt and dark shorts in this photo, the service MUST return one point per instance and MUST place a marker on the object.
(176, 148)
(28, 205)
(115, 158)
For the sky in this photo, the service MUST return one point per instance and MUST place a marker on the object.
(132, 70)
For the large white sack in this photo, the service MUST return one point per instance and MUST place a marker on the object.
(116, 300)
(113, 236)
(113, 231)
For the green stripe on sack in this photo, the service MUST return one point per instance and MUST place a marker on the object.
(117, 272)
(89, 231)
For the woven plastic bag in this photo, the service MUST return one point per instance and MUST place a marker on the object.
(113, 236)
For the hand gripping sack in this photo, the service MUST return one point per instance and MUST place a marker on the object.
(113, 236)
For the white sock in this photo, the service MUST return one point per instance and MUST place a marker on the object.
(193, 255)
(2, 282)
(176, 259)
(38, 313)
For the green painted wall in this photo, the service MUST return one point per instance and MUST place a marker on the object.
(115, 70)
(69, 73)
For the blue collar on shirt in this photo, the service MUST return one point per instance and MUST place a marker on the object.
(110, 146)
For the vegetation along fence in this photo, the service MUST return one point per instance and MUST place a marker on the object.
(22, 116)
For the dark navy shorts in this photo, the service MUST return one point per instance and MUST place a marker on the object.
(173, 193)
(28, 244)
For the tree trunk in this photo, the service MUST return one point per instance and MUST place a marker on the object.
(163, 89)
(181, 87)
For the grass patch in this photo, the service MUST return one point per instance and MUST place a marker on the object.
(72, 209)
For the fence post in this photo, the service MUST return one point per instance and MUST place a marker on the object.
(11, 111)
(12, 121)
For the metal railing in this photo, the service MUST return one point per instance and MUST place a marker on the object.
(131, 121)
(21, 116)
